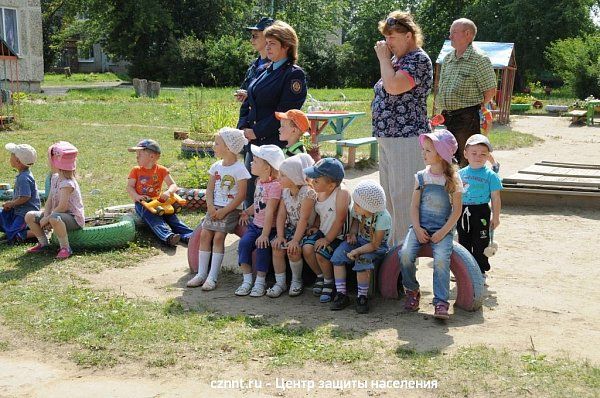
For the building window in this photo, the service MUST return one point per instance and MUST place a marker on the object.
(9, 28)
(85, 53)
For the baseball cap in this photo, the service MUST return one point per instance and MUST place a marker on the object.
(271, 153)
(444, 143)
(329, 167)
(296, 116)
(148, 144)
(24, 152)
(264, 23)
(476, 139)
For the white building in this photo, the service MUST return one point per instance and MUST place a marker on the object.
(21, 29)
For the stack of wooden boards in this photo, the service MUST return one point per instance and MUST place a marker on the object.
(554, 184)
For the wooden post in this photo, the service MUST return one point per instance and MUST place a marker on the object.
(141, 87)
(153, 89)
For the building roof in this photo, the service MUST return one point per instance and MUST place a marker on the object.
(500, 54)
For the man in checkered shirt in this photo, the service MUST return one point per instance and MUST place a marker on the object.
(467, 82)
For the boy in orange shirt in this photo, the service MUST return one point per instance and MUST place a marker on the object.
(145, 182)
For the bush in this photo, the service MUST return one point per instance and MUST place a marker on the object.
(577, 62)
(197, 173)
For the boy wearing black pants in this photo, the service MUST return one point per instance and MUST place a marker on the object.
(480, 185)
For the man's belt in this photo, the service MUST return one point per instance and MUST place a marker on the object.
(460, 111)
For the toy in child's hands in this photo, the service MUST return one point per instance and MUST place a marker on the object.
(164, 208)
(492, 248)
(437, 120)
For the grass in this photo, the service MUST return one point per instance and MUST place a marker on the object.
(44, 300)
(60, 79)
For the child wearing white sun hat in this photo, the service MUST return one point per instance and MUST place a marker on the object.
(225, 194)
(365, 244)
(295, 214)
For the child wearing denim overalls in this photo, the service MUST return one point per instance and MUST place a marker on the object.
(435, 209)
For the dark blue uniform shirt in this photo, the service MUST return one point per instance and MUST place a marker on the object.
(255, 69)
(279, 90)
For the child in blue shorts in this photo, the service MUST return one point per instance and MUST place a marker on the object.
(333, 208)
(25, 194)
(365, 244)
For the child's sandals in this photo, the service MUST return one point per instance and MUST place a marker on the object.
(244, 289)
(318, 287)
(209, 285)
(296, 289)
(327, 293)
(276, 290)
(196, 281)
(258, 290)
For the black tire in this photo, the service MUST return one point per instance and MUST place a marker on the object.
(117, 234)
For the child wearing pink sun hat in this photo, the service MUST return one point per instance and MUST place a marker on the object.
(64, 208)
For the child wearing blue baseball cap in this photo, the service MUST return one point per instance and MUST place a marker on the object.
(145, 182)
(333, 208)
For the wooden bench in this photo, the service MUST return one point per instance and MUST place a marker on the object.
(354, 143)
(577, 116)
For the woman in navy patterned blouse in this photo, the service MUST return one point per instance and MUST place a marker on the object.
(399, 112)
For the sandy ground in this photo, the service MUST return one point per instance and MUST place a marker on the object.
(543, 290)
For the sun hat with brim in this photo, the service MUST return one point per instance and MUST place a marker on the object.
(292, 168)
(272, 154)
(263, 24)
(148, 144)
(444, 143)
(24, 152)
(477, 139)
(63, 156)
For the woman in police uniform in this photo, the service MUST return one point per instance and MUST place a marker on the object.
(257, 39)
(281, 87)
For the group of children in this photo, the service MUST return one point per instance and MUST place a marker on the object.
(301, 213)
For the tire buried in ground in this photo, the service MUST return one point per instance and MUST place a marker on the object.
(102, 233)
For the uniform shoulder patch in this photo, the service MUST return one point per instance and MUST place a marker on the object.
(296, 86)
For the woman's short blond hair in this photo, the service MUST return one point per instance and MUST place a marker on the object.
(401, 22)
(286, 35)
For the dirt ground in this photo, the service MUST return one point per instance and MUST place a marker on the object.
(543, 289)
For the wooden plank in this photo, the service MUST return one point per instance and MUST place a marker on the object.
(561, 171)
(357, 141)
(541, 197)
(550, 180)
(571, 165)
(550, 188)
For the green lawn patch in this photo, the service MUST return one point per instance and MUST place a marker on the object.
(60, 79)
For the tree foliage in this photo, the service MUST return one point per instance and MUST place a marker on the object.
(204, 41)
(577, 62)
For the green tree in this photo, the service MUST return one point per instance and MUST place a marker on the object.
(577, 62)
(532, 25)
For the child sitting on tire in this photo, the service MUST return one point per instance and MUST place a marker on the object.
(145, 182)
(296, 212)
(365, 244)
(25, 194)
(260, 232)
(225, 194)
(64, 208)
(434, 210)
